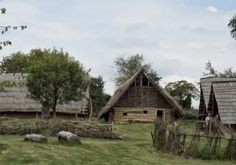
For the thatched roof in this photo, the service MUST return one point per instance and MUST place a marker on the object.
(16, 99)
(225, 95)
(205, 85)
(11, 77)
(124, 87)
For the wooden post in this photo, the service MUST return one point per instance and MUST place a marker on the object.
(112, 126)
(212, 97)
(141, 84)
(91, 109)
(135, 93)
(37, 115)
(76, 114)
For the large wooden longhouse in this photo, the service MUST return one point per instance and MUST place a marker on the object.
(15, 101)
(140, 99)
(218, 97)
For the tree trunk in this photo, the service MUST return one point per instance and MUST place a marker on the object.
(45, 114)
(54, 110)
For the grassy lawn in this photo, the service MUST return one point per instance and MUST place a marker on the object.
(136, 148)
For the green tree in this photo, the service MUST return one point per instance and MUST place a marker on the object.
(232, 26)
(20, 62)
(183, 92)
(55, 78)
(99, 98)
(228, 72)
(4, 29)
(15, 63)
(127, 67)
(211, 71)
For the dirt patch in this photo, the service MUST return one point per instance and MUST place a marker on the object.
(52, 127)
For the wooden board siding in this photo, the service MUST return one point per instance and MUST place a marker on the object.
(134, 115)
(142, 96)
(146, 114)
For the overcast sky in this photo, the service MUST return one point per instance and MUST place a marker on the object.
(176, 36)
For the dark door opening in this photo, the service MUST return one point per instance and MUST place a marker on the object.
(160, 114)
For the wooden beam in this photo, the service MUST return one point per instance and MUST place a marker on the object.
(135, 94)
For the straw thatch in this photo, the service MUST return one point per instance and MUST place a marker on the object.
(16, 99)
(11, 77)
(125, 86)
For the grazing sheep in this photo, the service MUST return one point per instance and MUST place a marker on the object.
(71, 138)
(35, 138)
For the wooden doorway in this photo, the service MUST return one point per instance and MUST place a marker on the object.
(159, 114)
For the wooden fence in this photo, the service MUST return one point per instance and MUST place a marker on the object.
(169, 138)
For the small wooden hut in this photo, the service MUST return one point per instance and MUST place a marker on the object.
(140, 99)
(218, 97)
(15, 101)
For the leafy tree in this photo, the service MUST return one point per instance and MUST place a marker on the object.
(154, 75)
(55, 78)
(99, 98)
(183, 92)
(211, 71)
(15, 63)
(20, 62)
(127, 67)
(228, 72)
(4, 29)
(232, 26)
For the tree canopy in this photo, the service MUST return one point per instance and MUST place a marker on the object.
(183, 92)
(20, 62)
(127, 67)
(211, 71)
(232, 26)
(97, 94)
(55, 78)
(15, 63)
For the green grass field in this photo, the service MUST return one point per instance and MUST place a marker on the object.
(136, 149)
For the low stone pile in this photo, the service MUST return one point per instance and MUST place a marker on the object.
(52, 127)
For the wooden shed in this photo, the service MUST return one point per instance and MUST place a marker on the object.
(218, 97)
(15, 101)
(140, 99)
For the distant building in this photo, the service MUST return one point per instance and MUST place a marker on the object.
(15, 101)
(140, 99)
(218, 97)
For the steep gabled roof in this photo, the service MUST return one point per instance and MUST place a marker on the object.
(206, 86)
(124, 87)
(225, 95)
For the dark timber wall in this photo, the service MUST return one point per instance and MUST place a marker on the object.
(145, 96)
(141, 103)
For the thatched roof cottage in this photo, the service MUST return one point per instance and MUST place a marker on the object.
(15, 101)
(140, 99)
